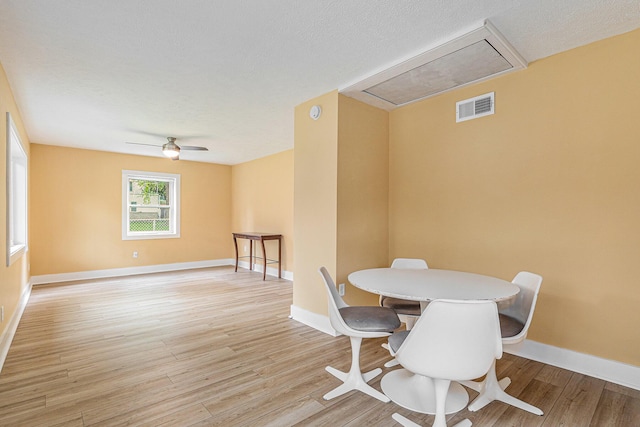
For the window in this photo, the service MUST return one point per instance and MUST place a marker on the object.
(150, 205)
(16, 194)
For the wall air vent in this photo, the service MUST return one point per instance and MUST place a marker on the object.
(473, 57)
(473, 108)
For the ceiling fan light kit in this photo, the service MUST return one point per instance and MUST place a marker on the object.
(171, 149)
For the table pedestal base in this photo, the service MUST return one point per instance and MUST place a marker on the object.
(416, 392)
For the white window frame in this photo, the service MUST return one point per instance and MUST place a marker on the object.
(174, 215)
(17, 194)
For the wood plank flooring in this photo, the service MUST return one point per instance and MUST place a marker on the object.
(212, 347)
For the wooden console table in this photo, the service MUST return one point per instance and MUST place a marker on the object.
(251, 236)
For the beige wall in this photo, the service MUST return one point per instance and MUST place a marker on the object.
(363, 189)
(76, 203)
(549, 184)
(315, 200)
(262, 200)
(340, 196)
(14, 280)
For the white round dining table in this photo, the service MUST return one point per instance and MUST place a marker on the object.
(429, 284)
(416, 392)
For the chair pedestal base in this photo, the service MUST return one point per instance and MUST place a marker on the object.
(393, 362)
(417, 393)
(491, 389)
(355, 379)
(405, 422)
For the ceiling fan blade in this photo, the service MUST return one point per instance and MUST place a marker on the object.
(142, 143)
(182, 137)
(193, 147)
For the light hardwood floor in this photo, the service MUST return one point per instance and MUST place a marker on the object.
(212, 347)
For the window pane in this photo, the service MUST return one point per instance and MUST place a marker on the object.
(149, 218)
(148, 192)
(148, 206)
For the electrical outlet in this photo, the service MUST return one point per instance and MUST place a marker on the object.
(341, 289)
(135, 254)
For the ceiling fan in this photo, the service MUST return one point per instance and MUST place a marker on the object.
(171, 149)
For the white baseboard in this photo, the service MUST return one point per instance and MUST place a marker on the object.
(7, 335)
(604, 369)
(314, 320)
(130, 271)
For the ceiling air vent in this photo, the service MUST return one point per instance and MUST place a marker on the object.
(473, 108)
(473, 57)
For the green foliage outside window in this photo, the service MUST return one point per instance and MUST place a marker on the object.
(152, 188)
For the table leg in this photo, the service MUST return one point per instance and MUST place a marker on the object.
(250, 254)
(264, 258)
(235, 243)
(416, 392)
(280, 258)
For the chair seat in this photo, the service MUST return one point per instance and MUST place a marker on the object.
(396, 340)
(509, 326)
(370, 319)
(402, 306)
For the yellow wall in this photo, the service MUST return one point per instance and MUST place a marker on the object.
(549, 184)
(341, 196)
(76, 202)
(14, 280)
(363, 188)
(262, 200)
(315, 200)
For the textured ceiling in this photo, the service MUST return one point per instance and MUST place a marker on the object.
(228, 74)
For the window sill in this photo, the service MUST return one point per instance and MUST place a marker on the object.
(15, 252)
(151, 236)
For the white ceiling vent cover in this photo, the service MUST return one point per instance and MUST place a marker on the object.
(473, 108)
(470, 58)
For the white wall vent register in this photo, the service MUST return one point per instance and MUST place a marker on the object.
(473, 108)
(470, 58)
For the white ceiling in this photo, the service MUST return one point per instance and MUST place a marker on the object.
(228, 74)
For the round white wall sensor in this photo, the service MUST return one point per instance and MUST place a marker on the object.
(315, 112)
